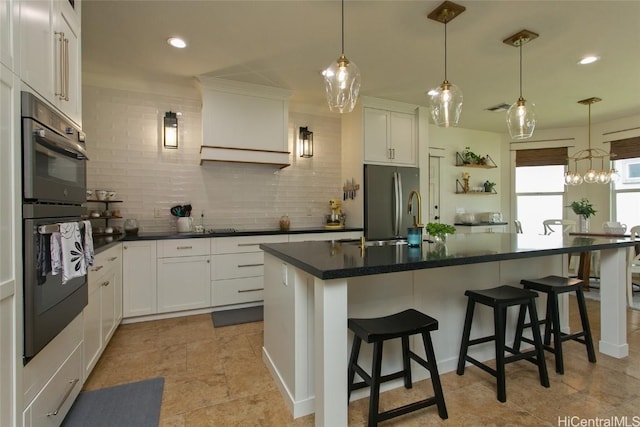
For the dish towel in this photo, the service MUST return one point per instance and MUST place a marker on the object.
(67, 254)
(88, 243)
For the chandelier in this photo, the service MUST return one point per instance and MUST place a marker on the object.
(591, 176)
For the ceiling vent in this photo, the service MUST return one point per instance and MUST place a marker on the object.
(499, 108)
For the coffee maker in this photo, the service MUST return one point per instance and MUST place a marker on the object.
(336, 218)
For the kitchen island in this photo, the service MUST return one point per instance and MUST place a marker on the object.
(311, 288)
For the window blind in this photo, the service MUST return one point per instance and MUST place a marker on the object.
(625, 148)
(542, 156)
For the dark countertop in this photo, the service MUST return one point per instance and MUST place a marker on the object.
(473, 224)
(333, 260)
(102, 243)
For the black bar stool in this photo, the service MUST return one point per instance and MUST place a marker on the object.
(500, 298)
(377, 330)
(554, 286)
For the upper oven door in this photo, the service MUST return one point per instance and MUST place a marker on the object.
(55, 167)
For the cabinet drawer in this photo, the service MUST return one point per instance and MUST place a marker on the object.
(54, 401)
(233, 266)
(228, 245)
(182, 247)
(236, 291)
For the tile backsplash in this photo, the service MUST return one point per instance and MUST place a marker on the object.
(124, 143)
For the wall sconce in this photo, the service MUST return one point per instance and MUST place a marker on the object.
(305, 142)
(170, 130)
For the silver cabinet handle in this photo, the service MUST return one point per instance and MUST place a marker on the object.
(97, 268)
(248, 244)
(250, 290)
(113, 259)
(105, 283)
(250, 265)
(61, 67)
(184, 247)
(66, 69)
(64, 399)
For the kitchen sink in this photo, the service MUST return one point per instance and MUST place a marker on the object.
(367, 243)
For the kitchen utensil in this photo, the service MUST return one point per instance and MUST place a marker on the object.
(185, 224)
(176, 211)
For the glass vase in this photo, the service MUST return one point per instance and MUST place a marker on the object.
(583, 224)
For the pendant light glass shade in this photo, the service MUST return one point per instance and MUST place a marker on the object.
(342, 85)
(521, 119)
(342, 81)
(445, 103)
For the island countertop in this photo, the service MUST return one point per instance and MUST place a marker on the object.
(336, 259)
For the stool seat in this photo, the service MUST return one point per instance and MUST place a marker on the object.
(378, 330)
(500, 299)
(553, 286)
(408, 322)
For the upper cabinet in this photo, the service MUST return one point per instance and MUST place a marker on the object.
(389, 137)
(244, 123)
(50, 33)
(9, 33)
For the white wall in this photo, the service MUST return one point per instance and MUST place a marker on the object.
(123, 128)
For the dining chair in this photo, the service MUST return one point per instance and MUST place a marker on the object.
(518, 226)
(633, 267)
(551, 225)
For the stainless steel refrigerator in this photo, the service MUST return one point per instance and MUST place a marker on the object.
(386, 192)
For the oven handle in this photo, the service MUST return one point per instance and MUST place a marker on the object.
(60, 144)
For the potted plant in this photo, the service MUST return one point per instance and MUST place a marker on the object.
(469, 157)
(584, 209)
(489, 186)
(438, 232)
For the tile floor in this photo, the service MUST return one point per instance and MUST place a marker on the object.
(216, 377)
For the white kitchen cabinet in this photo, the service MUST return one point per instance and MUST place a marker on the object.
(484, 228)
(10, 236)
(389, 137)
(139, 288)
(52, 380)
(9, 15)
(184, 283)
(103, 312)
(237, 269)
(50, 33)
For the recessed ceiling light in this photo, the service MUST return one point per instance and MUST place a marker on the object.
(588, 60)
(177, 42)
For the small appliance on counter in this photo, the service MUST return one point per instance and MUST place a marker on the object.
(335, 220)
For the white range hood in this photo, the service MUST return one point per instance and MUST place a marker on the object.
(244, 123)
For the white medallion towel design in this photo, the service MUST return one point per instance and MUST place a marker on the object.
(67, 254)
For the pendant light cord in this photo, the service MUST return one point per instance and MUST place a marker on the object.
(343, 27)
(521, 43)
(445, 51)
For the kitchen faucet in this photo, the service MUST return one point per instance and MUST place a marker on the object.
(418, 222)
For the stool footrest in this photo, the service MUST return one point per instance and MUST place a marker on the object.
(481, 365)
(396, 412)
(482, 340)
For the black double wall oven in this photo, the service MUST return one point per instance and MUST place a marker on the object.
(53, 191)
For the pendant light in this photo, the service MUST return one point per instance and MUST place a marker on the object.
(591, 176)
(521, 117)
(445, 101)
(342, 81)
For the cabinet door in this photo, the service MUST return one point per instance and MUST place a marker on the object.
(139, 278)
(8, 33)
(37, 38)
(402, 135)
(67, 73)
(107, 304)
(184, 283)
(92, 342)
(376, 147)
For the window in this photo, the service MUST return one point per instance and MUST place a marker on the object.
(539, 183)
(539, 195)
(626, 192)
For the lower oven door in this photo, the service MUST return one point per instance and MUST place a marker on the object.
(49, 305)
